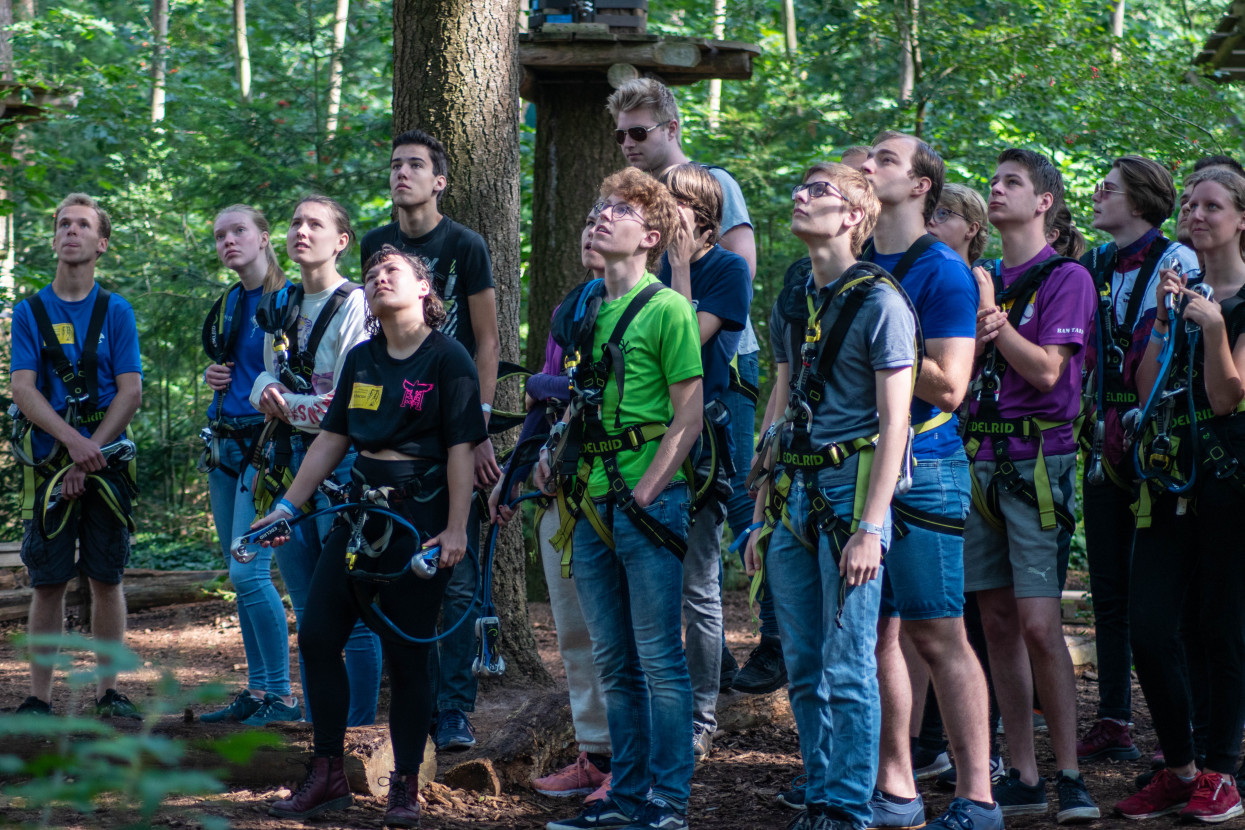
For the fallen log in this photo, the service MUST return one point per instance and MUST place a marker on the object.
(529, 742)
(144, 588)
(368, 759)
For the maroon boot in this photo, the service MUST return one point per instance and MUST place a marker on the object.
(403, 807)
(325, 788)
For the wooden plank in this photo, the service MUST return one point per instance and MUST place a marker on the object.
(582, 55)
(144, 588)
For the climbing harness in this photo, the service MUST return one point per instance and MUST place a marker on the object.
(114, 485)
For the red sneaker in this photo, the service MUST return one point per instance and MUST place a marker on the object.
(580, 777)
(1165, 793)
(1107, 738)
(602, 792)
(1214, 799)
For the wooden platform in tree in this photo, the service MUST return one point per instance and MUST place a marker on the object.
(677, 60)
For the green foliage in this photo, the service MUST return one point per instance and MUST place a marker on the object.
(90, 760)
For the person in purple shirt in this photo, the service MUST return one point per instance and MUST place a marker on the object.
(1032, 325)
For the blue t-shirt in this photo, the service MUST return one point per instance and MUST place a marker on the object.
(117, 352)
(721, 286)
(247, 356)
(944, 293)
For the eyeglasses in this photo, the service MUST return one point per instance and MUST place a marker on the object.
(1106, 189)
(637, 133)
(942, 214)
(816, 190)
(618, 211)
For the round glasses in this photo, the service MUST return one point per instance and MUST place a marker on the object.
(618, 211)
(942, 214)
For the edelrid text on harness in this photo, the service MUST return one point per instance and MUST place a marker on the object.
(1104, 387)
(582, 441)
(788, 441)
(989, 425)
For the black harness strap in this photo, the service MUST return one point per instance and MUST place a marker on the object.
(223, 326)
(303, 361)
(81, 383)
(909, 258)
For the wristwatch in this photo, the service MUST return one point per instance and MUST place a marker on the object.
(870, 527)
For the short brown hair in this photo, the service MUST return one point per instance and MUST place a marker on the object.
(1043, 174)
(101, 215)
(434, 309)
(1069, 242)
(643, 191)
(858, 193)
(644, 92)
(969, 203)
(1148, 186)
(926, 164)
(340, 217)
(694, 184)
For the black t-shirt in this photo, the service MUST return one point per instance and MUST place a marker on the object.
(420, 406)
(459, 260)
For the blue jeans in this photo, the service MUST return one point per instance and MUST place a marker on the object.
(631, 598)
(297, 560)
(449, 662)
(925, 569)
(739, 505)
(832, 669)
(261, 614)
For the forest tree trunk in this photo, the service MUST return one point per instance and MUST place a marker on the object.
(565, 180)
(160, 36)
(335, 70)
(715, 84)
(788, 26)
(456, 75)
(242, 49)
(6, 43)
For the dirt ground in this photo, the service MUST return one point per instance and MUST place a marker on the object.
(733, 790)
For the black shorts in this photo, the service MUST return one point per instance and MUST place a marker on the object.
(104, 549)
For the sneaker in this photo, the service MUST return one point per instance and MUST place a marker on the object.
(658, 814)
(1165, 793)
(34, 706)
(765, 671)
(702, 742)
(963, 814)
(927, 763)
(1016, 798)
(807, 821)
(274, 709)
(454, 730)
(946, 781)
(1158, 760)
(1075, 802)
(1107, 738)
(1215, 799)
(243, 706)
(116, 705)
(888, 814)
(729, 669)
(604, 813)
(580, 777)
(793, 799)
(602, 792)
(1039, 721)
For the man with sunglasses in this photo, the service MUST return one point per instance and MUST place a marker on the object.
(1134, 199)
(648, 132)
(923, 583)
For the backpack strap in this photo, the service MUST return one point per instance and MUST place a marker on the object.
(613, 354)
(223, 325)
(81, 384)
(914, 252)
(303, 361)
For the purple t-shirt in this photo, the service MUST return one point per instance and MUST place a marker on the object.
(1059, 314)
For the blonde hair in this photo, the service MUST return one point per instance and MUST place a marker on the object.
(1229, 181)
(274, 278)
(857, 192)
(340, 217)
(972, 206)
(101, 215)
(644, 92)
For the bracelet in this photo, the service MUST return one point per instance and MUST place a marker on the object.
(486, 408)
(1160, 337)
(286, 505)
(870, 528)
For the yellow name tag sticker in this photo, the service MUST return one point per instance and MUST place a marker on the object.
(364, 396)
(64, 333)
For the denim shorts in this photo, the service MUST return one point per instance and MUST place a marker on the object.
(924, 576)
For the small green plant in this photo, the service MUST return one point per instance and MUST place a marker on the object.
(89, 760)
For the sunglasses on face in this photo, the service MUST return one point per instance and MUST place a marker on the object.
(942, 214)
(636, 133)
(816, 190)
(1106, 189)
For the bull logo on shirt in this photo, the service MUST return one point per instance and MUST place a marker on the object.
(413, 394)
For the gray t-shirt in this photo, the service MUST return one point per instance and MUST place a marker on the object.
(881, 337)
(734, 214)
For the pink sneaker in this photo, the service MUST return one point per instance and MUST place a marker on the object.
(1214, 799)
(601, 792)
(580, 777)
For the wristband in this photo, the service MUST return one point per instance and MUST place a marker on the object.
(486, 408)
(870, 528)
(1159, 337)
(287, 506)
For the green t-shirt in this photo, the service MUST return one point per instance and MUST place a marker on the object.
(660, 348)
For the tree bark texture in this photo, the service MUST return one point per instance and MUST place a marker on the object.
(788, 26)
(6, 44)
(160, 36)
(28, 9)
(456, 75)
(335, 68)
(242, 49)
(575, 151)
